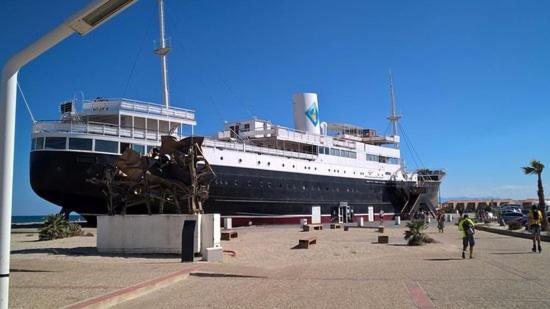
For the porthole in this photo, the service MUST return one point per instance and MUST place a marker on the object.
(329, 169)
(283, 165)
(221, 158)
(268, 163)
(293, 166)
(240, 160)
(259, 162)
(305, 167)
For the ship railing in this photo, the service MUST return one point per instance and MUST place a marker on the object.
(96, 128)
(283, 133)
(435, 175)
(113, 105)
(257, 149)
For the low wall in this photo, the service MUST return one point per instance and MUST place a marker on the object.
(510, 233)
(155, 233)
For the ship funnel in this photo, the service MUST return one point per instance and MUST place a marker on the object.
(306, 113)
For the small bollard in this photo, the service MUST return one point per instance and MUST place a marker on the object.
(380, 229)
(227, 223)
(361, 222)
(397, 220)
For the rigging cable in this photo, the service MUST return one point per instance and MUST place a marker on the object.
(409, 141)
(221, 79)
(26, 103)
(136, 60)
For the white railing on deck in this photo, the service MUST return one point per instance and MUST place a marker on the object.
(95, 106)
(256, 149)
(96, 128)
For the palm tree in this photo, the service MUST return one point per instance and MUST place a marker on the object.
(536, 167)
(415, 236)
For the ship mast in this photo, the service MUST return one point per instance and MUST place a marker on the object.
(163, 51)
(393, 118)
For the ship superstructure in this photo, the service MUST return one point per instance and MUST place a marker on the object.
(265, 173)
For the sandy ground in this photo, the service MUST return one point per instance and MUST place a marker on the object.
(344, 269)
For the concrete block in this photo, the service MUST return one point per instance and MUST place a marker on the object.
(371, 214)
(316, 215)
(210, 232)
(213, 254)
(144, 234)
(397, 220)
(383, 239)
(227, 223)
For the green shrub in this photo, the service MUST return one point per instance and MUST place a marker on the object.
(415, 236)
(514, 225)
(56, 226)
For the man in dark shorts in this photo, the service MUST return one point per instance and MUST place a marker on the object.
(467, 227)
(535, 220)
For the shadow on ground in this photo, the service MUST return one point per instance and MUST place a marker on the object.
(90, 251)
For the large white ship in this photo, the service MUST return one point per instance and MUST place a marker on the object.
(265, 173)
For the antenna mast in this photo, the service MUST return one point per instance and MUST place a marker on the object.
(393, 118)
(163, 51)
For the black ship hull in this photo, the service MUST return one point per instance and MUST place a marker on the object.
(247, 195)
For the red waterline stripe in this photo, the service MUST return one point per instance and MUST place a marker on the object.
(119, 295)
(418, 295)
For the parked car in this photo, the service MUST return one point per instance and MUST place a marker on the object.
(510, 216)
(523, 221)
(511, 208)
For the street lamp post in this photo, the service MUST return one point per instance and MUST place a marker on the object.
(84, 21)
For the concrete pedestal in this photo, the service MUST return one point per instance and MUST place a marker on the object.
(137, 234)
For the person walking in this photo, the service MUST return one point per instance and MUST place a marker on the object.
(467, 227)
(381, 215)
(441, 221)
(535, 220)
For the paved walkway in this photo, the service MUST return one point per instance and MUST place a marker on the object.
(344, 269)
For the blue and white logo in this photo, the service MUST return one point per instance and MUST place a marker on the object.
(312, 114)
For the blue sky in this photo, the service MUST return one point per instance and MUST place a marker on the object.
(472, 77)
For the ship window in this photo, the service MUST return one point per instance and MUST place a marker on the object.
(240, 160)
(293, 166)
(283, 165)
(40, 143)
(268, 163)
(139, 148)
(106, 146)
(80, 143)
(259, 162)
(221, 158)
(55, 143)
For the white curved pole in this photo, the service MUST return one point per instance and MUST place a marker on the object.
(100, 11)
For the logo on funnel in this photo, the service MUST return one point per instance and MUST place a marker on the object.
(313, 114)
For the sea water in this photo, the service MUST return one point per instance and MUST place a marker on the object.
(39, 219)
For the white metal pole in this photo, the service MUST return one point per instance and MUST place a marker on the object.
(8, 97)
(85, 20)
(7, 141)
(163, 51)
